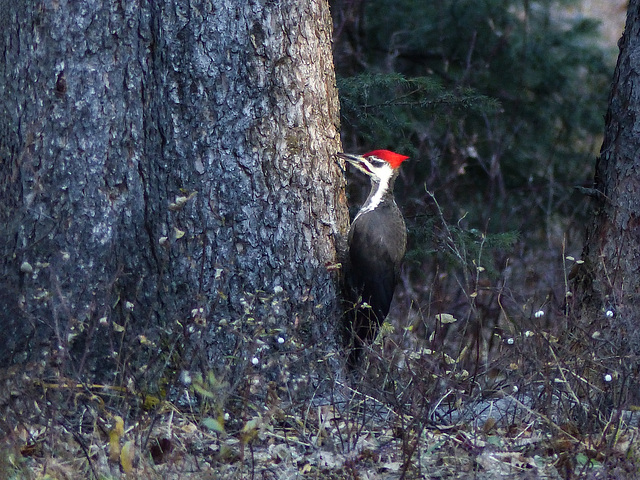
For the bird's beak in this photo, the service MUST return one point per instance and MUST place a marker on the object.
(357, 161)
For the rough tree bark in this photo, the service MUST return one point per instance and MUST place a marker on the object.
(612, 252)
(167, 169)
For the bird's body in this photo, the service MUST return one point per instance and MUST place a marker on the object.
(377, 241)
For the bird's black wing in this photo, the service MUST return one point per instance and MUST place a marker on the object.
(375, 249)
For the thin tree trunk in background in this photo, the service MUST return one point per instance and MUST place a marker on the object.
(167, 169)
(610, 288)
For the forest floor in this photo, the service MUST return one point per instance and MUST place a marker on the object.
(61, 430)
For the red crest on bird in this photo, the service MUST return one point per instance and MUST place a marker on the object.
(394, 159)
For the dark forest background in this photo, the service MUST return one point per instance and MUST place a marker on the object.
(500, 105)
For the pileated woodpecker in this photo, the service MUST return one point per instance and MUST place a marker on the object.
(377, 242)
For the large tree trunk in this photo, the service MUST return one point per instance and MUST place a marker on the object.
(610, 289)
(167, 179)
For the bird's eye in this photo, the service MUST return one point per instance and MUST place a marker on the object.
(376, 162)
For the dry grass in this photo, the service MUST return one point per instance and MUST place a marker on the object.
(541, 401)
